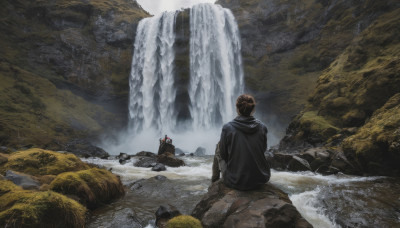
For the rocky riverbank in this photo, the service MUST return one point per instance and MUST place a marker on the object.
(42, 188)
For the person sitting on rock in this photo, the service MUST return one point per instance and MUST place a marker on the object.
(166, 139)
(240, 153)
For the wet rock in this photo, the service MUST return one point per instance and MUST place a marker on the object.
(85, 149)
(160, 177)
(279, 161)
(170, 160)
(265, 207)
(23, 180)
(137, 184)
(146, 154)
(166, 148)
(123, 158)
(298, 164)
(340, 163)
(200, 151)
(146, 162)
(159, 167)
(165, 213)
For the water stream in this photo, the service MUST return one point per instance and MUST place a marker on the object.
(325, 201)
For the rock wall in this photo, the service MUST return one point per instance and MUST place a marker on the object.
(286, 45)
(355, 101)
(64, 69)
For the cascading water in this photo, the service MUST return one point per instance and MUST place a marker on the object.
(216, 74)
(152, 92)
(216, 78)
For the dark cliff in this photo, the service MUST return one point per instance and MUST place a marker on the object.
(286, 45)
(64, 68)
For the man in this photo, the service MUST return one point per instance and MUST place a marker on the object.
(241, 149)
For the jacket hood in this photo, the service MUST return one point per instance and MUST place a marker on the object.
(246, 124)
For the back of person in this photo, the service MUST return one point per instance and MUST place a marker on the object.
(242, 146)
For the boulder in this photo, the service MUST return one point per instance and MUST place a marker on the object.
(85, 149)
(298, 164)
(146, 162)
(146, 154)
(170, 160)
(264, 207)
(25, 181)
(165, 213)
(123, 158)
(279, 161)
(159, 167)
(166, 148)
(200, 151)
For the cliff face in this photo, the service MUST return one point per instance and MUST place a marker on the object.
(64, 68)
(286, 45)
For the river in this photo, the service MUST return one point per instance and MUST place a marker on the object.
(325, 201)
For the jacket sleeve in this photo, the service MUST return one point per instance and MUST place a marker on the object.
(223, 145)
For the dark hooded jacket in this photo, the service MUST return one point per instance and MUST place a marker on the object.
(242, 145)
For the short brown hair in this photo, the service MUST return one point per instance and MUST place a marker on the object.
(245, 104)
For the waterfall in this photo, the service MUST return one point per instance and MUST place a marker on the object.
(216, 79)
(152, 92)
(215, 65)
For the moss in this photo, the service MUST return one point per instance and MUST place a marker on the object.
(93, 187)
(40, 209)
(7, 186)
(43, 162)
(312, 122)
(377, 143)
(184, 221)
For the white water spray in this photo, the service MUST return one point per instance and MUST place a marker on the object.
(216, 74)
(152, 92)
(216, 79)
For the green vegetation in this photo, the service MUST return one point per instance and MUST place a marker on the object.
(93, 187)
(184, 221)
(376, 146)
(42, 162)
(19, 208)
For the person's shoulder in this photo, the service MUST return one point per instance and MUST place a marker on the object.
(263, 126)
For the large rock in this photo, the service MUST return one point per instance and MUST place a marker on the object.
(165, 213)
(146, 162)
(200, 151)
(23, 180)
(86, 149)
(265, 207)
(170, 160)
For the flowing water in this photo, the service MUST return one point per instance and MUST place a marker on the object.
(324, 201)
(216, 79)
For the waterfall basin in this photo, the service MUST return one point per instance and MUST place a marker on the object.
(325, 201)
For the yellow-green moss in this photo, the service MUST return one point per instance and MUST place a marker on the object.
(378, 141)
(93, 186)
(43, 162)
(7, 186)
(40, 209)
(184, 221)
(315, 123)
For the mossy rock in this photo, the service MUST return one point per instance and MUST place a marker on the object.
(376, 145)
(184, 221)
(20, 208)
(43, 162)
(93, 187)
(316, 127)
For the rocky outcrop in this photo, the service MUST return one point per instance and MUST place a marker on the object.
(67, 64)
(319, 159)
(286, 46)
(355, 102)
(265, 207)
(170, 160)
